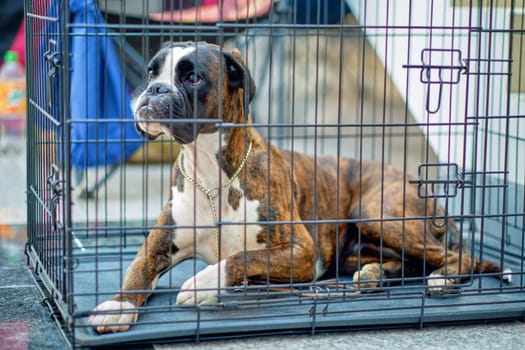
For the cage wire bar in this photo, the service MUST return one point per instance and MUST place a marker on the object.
(434, 88)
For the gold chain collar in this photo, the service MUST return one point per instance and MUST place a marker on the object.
(212, 192)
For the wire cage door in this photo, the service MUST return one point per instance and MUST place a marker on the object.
(49, 248)
(432, 89)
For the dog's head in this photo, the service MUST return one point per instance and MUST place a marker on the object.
(189, 86)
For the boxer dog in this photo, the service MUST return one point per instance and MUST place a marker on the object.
(372, 221)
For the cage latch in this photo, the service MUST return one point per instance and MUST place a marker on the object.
(54, 61)
(438, 67)
(57, 191)
(446, 185)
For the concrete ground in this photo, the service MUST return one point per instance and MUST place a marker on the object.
(484, 336)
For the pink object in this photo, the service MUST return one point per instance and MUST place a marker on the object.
(209, 12)
(19, 45)
(14, 335)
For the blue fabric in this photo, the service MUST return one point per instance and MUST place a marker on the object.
(48, 94)
(98, 92)
(100, 116)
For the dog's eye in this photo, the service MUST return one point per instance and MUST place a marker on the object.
(150, 75)
(193, 79)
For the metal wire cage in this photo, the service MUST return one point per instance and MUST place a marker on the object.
(434, 88)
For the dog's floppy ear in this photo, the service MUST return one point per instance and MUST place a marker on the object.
(238, 74)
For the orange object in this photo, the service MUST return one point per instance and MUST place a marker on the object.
(12, 86)
(12, 97)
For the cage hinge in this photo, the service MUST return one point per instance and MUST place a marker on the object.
(439, 180)
(438, 67)
(54, 62)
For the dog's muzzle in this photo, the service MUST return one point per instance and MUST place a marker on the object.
(162, 109)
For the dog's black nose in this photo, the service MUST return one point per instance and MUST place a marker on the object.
(158, 89)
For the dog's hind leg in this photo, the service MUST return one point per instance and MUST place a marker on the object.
(458, 266)
(451, 266)
(415, 242)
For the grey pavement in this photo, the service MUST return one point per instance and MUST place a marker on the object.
(508, 335)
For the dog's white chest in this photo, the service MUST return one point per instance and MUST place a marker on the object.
(196, 215)
(203, 200)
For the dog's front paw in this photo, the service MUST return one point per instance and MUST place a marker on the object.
(113, 316)
(439, 283)
(203, 287)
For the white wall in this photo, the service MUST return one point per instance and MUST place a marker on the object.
(397, 46)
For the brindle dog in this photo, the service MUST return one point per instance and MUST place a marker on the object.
(384, 228)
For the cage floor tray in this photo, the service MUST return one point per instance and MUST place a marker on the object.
(246, 313)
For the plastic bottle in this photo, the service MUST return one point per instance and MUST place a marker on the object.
(12, 103)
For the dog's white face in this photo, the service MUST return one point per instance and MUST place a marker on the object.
(182, 96)
(162, 97)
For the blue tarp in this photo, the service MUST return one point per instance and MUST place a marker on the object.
(100, 116)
